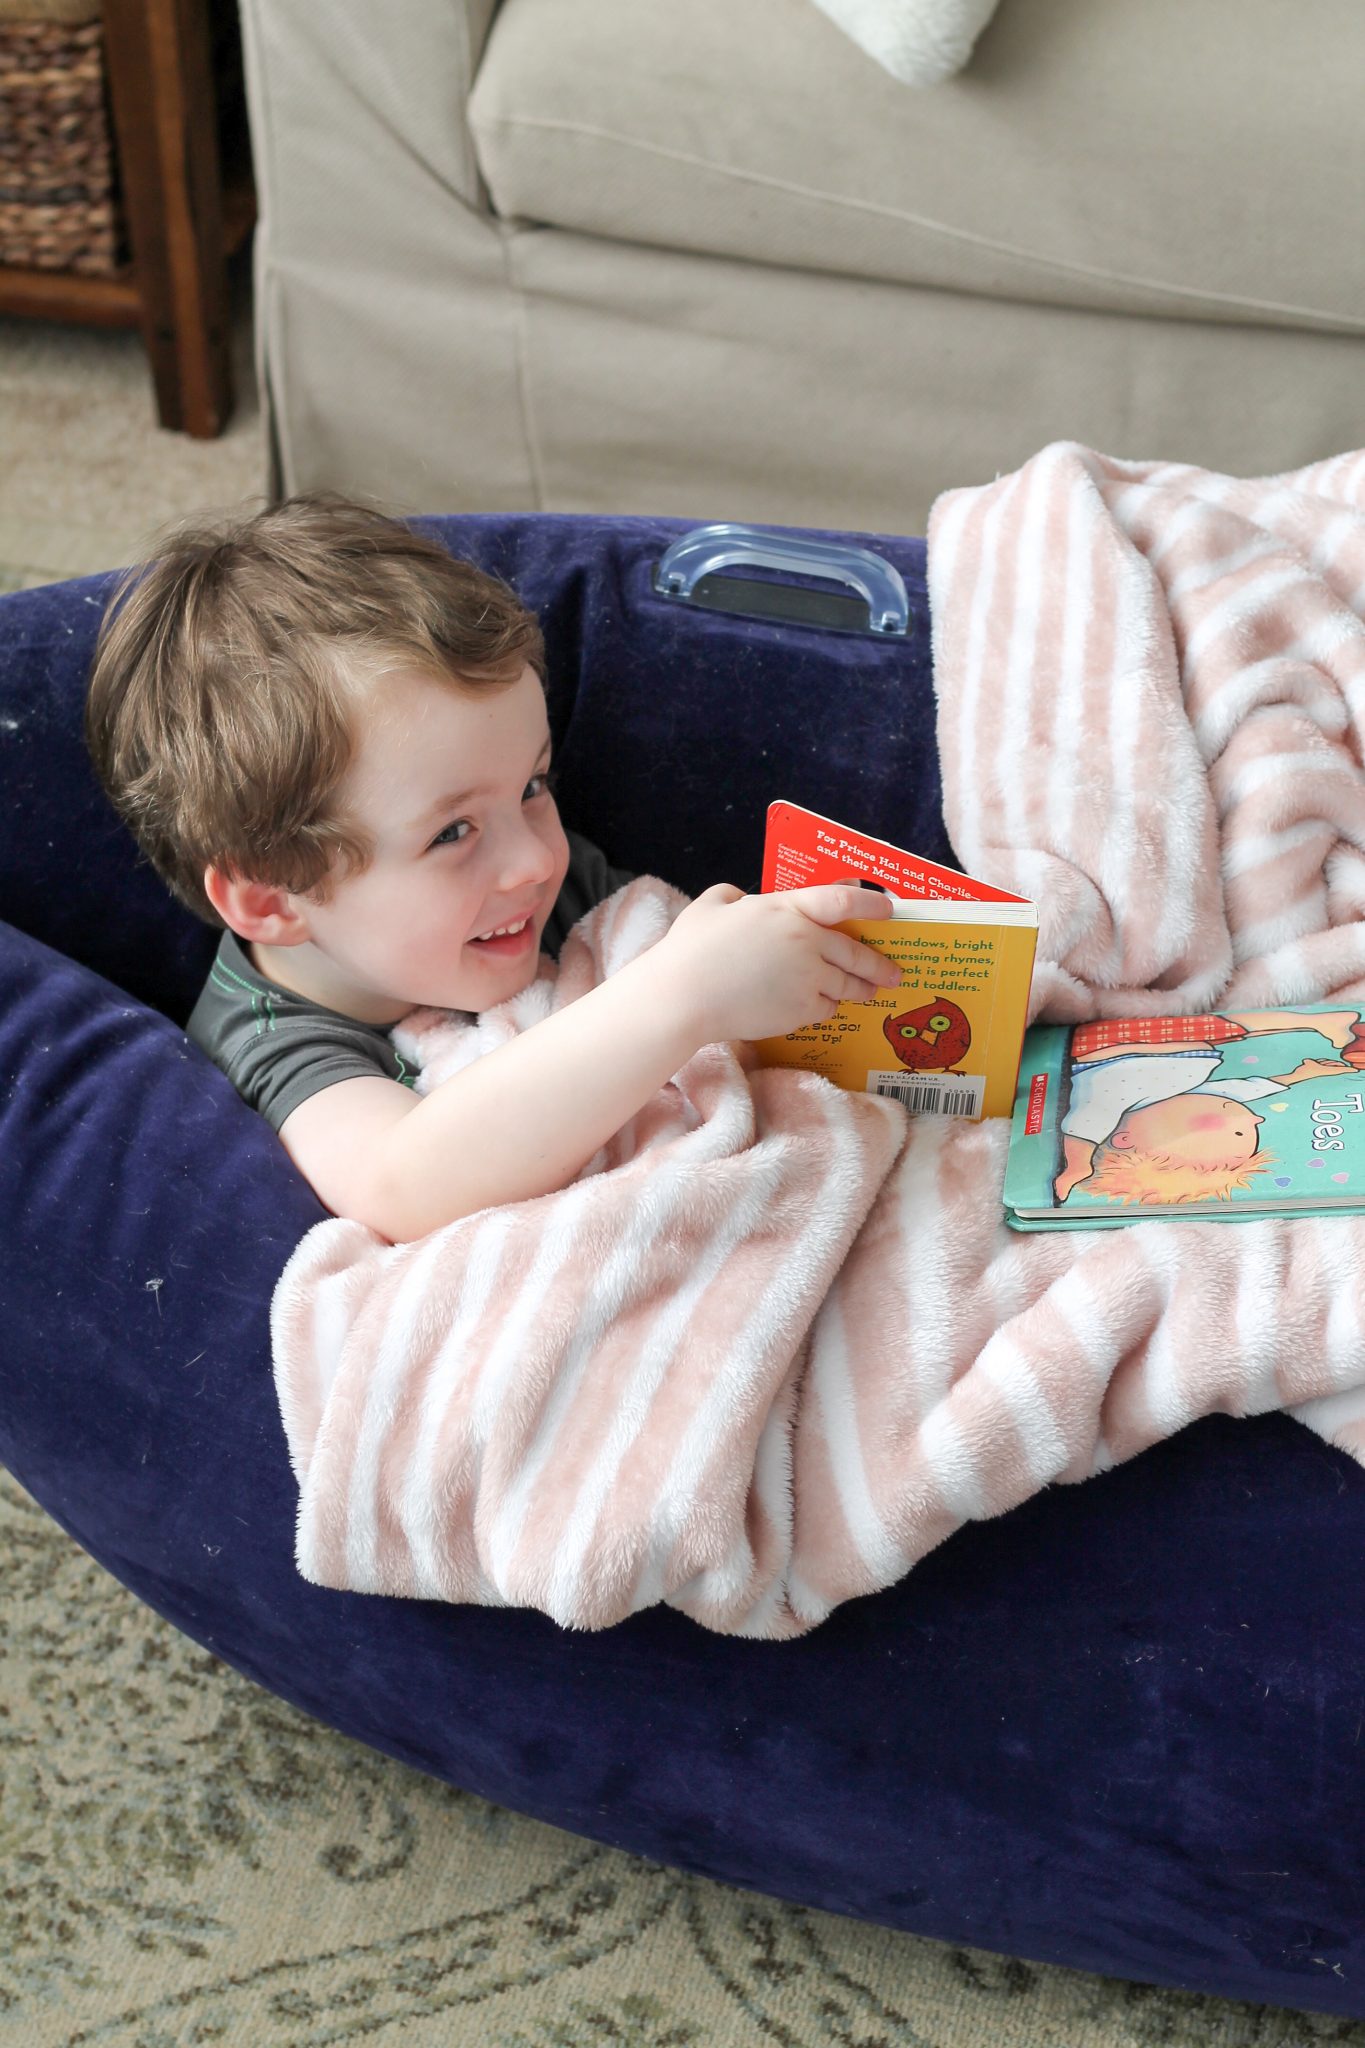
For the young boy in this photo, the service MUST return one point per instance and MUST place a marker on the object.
(330, 738)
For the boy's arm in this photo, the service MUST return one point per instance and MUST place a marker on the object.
(519, 1122)
(1312, 1070)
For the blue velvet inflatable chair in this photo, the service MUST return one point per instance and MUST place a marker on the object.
(1120, 1728)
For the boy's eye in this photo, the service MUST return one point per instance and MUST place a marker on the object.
(455, 834)
(452, 834)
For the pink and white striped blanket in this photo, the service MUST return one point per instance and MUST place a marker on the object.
(775, 1342)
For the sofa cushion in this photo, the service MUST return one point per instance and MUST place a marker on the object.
(1148, 159)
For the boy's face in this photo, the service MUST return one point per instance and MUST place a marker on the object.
(451, 787)
(1200, 1130)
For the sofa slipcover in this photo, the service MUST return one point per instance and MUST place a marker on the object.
(690, 257)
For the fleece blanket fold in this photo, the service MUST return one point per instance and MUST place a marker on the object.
(775, 1342)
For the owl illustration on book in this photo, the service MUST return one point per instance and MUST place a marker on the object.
(931, 1039)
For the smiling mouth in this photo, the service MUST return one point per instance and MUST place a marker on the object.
(508, 938)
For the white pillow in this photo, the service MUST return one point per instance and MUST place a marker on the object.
(921, 42)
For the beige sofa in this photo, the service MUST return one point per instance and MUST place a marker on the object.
(705, 257)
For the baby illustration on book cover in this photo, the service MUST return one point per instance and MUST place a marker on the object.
(1172, 1109)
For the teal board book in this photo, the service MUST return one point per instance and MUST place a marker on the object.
(1224, 1116)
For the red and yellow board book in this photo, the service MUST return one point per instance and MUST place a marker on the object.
(945, 1041)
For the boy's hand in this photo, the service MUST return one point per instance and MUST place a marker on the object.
(757, 966)
(1314, 1070)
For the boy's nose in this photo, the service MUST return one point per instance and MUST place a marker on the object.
(526, 858)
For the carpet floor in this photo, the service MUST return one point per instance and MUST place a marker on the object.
(186, 1860)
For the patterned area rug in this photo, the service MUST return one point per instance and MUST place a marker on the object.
(186, 1860)
(86, 475)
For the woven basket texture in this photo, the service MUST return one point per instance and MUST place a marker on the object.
(59, 205)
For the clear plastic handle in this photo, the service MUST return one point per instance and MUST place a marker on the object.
(708, 548)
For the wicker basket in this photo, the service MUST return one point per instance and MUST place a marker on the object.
(59, 206)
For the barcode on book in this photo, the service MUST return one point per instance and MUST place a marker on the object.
(932, 1094)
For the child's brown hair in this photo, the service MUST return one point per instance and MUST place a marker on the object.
(221, 709)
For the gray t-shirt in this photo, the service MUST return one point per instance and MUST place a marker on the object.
(277, 1048)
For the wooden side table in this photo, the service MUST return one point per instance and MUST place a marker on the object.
(190, 203)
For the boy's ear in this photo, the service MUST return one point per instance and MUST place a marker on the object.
(1122, 1139)
(258, 912)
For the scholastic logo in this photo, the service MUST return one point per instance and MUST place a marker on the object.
(1037, 1096)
